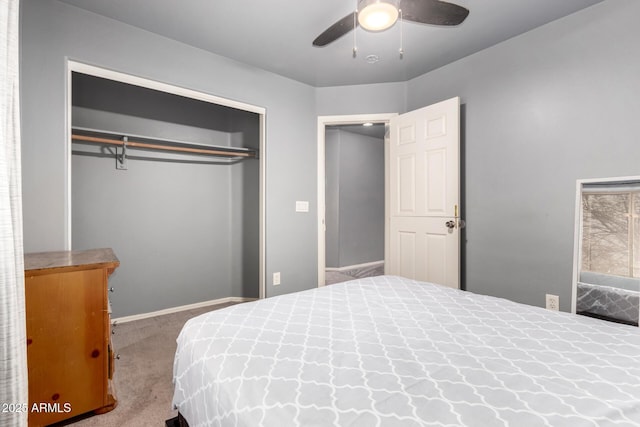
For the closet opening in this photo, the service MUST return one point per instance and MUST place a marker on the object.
(173, 181)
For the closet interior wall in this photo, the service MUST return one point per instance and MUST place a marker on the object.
(185, 227)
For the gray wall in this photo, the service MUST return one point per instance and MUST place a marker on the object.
(245, 210)
(541, 110)
(359, 99)
(354, 198)
(183, 226)
(51, 32)
(332, 196)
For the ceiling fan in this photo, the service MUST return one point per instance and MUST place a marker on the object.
(378, 15)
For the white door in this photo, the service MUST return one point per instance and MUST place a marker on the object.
(424, 191)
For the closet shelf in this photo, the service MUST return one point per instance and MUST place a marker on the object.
(107, 137)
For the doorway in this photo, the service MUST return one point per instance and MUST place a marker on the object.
(422, 192)
(354, 197)
(325, 218)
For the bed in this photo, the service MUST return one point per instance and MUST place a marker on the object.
(389, 351)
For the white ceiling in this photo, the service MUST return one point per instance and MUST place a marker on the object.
(276, 35)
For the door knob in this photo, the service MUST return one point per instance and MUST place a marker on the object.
(450, 225)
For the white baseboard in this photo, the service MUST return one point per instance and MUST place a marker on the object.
(356, 266)
(141, 316)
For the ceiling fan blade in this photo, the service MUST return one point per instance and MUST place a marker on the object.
(433, 12)
(337, 30)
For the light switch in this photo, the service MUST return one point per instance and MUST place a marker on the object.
(302, 206)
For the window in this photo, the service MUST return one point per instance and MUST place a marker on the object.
(611, 233)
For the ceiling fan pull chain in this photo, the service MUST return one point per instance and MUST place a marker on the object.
(401, 50)
(355, 27)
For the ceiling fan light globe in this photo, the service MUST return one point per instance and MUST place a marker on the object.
(377, 15)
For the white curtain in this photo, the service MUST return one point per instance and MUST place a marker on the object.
(13, 347)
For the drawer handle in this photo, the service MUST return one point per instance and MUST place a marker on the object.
(111, 290)
(118, 356)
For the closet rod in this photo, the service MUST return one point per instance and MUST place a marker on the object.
(135, 144)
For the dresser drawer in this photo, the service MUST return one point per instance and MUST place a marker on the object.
(69, 352)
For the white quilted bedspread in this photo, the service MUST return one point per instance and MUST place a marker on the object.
(388, 351)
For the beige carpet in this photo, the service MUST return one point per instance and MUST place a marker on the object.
(143, 374)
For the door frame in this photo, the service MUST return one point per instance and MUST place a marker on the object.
(84, 68)
(323, 122)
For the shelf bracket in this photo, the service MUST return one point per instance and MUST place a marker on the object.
(121, 155)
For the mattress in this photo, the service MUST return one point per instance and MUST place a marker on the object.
(608, 301)
(388, 351)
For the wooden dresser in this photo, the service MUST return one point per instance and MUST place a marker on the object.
(69, 352)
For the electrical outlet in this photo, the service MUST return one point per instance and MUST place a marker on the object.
(553, 302)
(276, 278)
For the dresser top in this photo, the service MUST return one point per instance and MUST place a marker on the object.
(71, 260)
